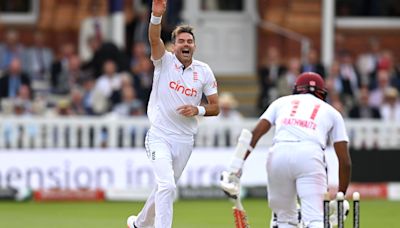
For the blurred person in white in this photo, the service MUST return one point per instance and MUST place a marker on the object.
(228, 112)
(178, 85)
(390, 109)
(377, 94)
(286, 82)
(296, 167)
(13, 79)
(61, 64)
(367, 62)
(362, 109)
(11, 49)
(109, 81)
(95, 26)
(40, 58)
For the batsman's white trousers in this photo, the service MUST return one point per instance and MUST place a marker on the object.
(296, 169)
(168, 156)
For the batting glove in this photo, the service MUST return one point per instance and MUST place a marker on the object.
(230, 184)
(333, 208)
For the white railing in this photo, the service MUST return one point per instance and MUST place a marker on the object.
(100, 132)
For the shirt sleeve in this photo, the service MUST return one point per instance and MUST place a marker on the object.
(339, 132)
(210, 86)
(161, 64)
(163, 60)
(270, 113)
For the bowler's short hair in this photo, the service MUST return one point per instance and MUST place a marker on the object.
(182, 29)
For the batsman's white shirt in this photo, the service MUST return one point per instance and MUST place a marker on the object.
(174, 86)
(304, 117)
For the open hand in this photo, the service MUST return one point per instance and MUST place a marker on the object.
(159, 7)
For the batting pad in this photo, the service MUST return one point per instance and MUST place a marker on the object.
(243, 144)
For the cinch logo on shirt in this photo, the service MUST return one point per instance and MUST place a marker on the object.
(190, 92)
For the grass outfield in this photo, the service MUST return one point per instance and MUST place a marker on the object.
(188, 214)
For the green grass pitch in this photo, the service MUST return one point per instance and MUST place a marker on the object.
(187, 214)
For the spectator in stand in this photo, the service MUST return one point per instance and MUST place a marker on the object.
(107, 51)
(88, 84)
(138, 51)
(349, 77)
(109, 82)
(286, 82)
(13, 79)
(390, 108)
(144, 75)
(40, 58)
(313, 64)
(334, 81)
(130, 105)
(172, 18)
(268, 73)
(94, 26)
(138, 27)
(60, 66)
(228, 108)
(94, 45)
(377, 94)
(22, 103)
(63, 108)
(340, 44)
(228, 112)
(367, 62)
(77, 107)
(386, 62)
(362, 109)
(70, 77)
(11, 49)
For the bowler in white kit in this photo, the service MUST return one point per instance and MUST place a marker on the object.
(296, 162)
(179, 82)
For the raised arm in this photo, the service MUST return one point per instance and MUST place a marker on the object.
(156, 44)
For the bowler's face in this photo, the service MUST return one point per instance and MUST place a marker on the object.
(184, 47)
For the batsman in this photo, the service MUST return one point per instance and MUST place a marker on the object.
(296, 165)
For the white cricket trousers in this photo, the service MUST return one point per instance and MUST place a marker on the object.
(168, 156)
(297, 169)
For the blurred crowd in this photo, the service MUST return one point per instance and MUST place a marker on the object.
(95, 77)
(362, 86)
(90, 77)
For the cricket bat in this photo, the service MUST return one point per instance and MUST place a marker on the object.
(239, 214)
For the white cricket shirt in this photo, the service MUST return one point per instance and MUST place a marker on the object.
(174, 87)
(304, 117)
